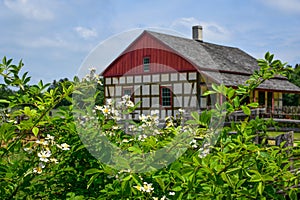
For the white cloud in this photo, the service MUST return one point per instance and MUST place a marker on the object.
(32, 9)
(85, 33)
(211, 31)
(284, 5)
(186, 22)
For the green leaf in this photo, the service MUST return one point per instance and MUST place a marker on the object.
(246, 110)
(4, 101)
(253, 105)
(230, 93)
(236, 102)
(135, 149)
(92, 171)
(206, 93)
(215, 88)
(260, 188)
(127, 178)
(35, 131)
(92, 180)
(177, 188)
(195, 115)
(227, 179)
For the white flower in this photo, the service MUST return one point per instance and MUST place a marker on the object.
(154, 112)
(28, 150)
(126, 98)
(39, 169)
(124, 171)
(194, 144)
(54, 160)
(142, 137)
(163, 198)
(99, 82)
(49, 137)
(92, 69)
(171, 193)
(181, 110)
(125, 141)
(129, 104)
(138, 187)
(64, 146)
(142, 117)
(203, 152)
(44, 155)
(105, 110)
(42, 142)
(115, 127)
(98, 107)
(109, 101)
(147, 187)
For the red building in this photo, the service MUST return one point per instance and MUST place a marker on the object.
(167, 72)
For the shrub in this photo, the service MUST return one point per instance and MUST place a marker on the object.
(53, 156)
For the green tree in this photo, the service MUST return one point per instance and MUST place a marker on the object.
(290, 99)
(5, 92)
(58, 86)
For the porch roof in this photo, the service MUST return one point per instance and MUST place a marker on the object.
(274, 84)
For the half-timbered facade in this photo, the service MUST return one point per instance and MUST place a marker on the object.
(166, 72)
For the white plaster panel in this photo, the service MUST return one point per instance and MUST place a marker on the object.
(138, 79)
(122, 80)
(192, 76)
(146, 78)
(129, 79)
(155, 89)
(174, 77)
(155, 78)
(164, 77)
(108, 81)
(177, 89)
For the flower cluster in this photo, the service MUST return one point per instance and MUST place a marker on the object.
(204, 151)
(147, 187)
(194, 144)
(109, 110)
(171, 121)
(93, 76)
(148, 126)
(164, 197)
(126, 102)
(43, 148)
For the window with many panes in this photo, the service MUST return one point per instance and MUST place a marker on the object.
(146, 64)
(166, 96)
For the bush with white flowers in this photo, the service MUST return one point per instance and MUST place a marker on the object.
(42, 156)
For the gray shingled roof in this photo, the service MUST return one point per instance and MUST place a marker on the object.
(223, 64)
(276, 84)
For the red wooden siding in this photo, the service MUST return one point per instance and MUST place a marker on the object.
(162, 59)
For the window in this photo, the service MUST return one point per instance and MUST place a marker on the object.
(261, 98)
(146, 64)
(166, 96)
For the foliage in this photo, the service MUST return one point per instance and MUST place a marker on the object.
(290, 99)
(5, 93)
(46, 156)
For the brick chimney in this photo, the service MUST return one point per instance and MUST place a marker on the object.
(197, 33)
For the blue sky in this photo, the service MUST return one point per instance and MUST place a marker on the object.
(53, 37)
